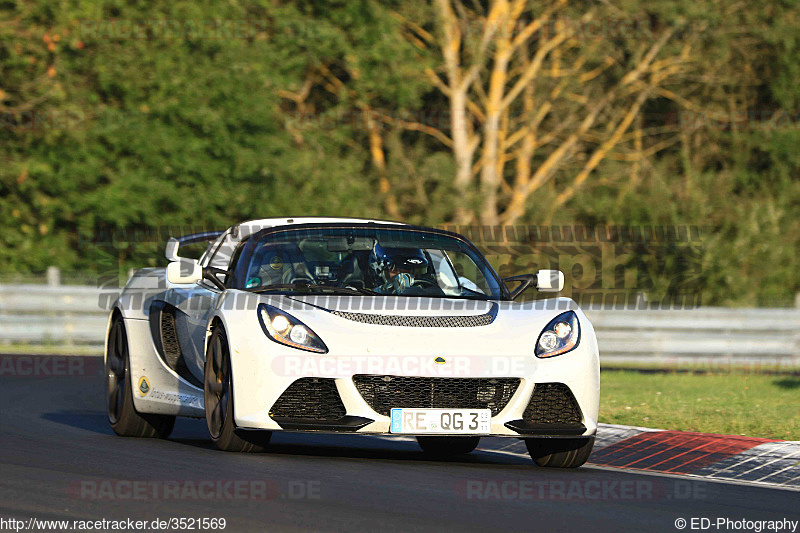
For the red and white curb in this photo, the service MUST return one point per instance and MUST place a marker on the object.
(715, 457)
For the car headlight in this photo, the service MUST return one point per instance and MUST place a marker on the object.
(283, 328)
(561, 335)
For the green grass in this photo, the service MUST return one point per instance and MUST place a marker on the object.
(756, 405)
(49, 349)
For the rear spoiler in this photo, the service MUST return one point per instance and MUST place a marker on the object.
(174, 244)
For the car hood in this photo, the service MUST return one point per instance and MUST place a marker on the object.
(391, 325)
(363, 336)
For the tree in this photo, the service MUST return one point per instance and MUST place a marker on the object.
(539, 93)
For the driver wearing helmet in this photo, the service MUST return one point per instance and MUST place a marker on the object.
(394, 268)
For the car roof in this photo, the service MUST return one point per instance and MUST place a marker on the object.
(247, 228)
(235, 234)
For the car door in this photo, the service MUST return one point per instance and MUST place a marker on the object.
(194, 305)
(202, 302)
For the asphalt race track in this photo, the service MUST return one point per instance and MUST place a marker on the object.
(60, 460)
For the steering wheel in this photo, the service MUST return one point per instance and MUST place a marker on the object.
(422, 282)
(310, 281)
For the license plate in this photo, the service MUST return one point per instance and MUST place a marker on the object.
(442, 421)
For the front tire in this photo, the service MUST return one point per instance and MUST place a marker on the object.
(448, 446)
(560, 453)
(122, 415)
(218, 395)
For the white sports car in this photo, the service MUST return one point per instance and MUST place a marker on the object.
(351, 326)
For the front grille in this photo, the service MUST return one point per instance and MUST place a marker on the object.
(469, 321)
(309, 399)
(382, 393)
(552, 403)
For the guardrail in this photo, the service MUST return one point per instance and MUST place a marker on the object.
(72, 316)
(59, 315)
(739, 334)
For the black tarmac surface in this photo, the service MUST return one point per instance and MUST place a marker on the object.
(60, 460)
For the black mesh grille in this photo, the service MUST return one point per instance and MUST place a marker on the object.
(382, 393)
(169, 339)
(419, 321)
(552, 403)
(309, 399)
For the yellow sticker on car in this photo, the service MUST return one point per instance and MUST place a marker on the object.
(144, 386)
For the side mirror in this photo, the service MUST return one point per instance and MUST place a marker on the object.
(543, 280)
(184, 271)
(550, 281)
(524, 280)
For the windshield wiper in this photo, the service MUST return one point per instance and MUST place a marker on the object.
(342, 290)
(280, 287)
(357, 290)
(310, 287)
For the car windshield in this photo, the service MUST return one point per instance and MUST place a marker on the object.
(367, 261)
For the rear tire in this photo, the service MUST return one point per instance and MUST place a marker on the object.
(560, 453)
(122, 415)
(448, 446)
(218, 395)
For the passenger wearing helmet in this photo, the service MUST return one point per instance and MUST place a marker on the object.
(394, 268)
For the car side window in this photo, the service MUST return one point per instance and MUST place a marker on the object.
(212, 249)
(445, 277)
(469, 275)
(222, 256)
